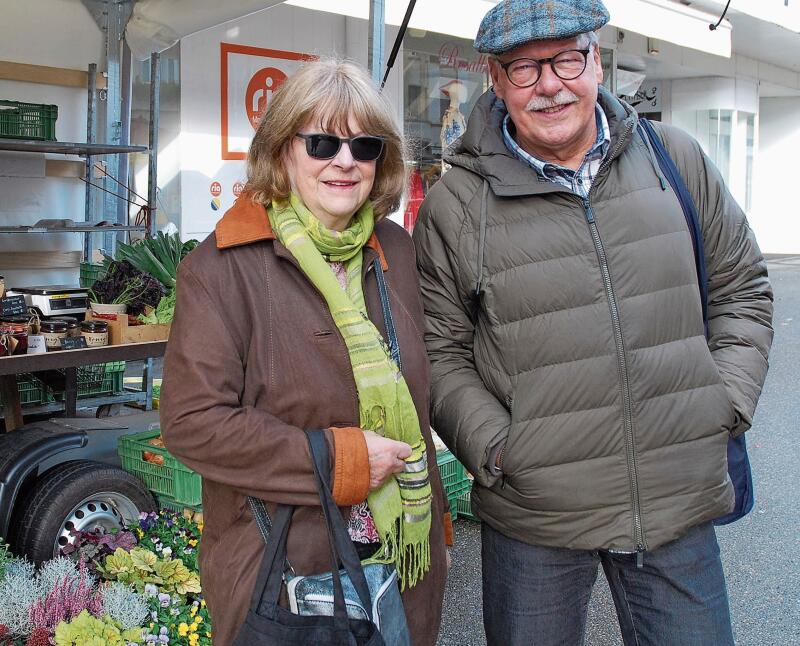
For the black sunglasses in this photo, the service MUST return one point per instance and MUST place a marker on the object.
(324, 146)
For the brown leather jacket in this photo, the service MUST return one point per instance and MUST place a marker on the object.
(254, 357)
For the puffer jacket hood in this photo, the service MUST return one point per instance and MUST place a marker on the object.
(482, 150)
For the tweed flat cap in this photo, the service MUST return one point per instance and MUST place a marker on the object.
(512, 23)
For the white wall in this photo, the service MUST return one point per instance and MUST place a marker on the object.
(282, 28)
(774, 217)
(56, 33)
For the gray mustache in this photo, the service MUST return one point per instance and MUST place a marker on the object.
(562, 97)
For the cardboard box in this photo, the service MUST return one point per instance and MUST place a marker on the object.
(120, 332)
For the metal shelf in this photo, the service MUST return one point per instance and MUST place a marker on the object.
(76, 228)
(67, 148)
(126, 397)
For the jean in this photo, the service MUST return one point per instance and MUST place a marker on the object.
(538, 596)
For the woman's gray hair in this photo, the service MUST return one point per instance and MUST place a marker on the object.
(327, 93)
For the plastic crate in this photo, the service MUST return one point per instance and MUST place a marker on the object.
(28, 120)
(99, 379)
(31, 390)
(91, 272)
(165, 502)
(176, 485)
(451, 471)
(464, 506)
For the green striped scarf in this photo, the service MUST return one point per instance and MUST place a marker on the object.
(401, 507)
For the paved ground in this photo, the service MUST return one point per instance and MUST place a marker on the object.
(761, 552)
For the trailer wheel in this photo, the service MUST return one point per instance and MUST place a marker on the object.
(80, 495)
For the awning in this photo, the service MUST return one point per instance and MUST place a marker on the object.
(672, 22)
(158, 24)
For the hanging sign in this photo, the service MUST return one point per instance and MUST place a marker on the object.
(13, 305)
(249, 78)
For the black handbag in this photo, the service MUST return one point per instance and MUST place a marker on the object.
(267, 623)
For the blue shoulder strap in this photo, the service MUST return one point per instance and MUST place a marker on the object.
(689, 211)
(738, 461)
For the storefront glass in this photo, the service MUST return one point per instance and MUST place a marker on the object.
(712, 129)
(443, 78)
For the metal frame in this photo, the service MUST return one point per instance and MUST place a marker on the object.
(69, 361)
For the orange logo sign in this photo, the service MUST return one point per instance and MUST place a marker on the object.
(260, 90)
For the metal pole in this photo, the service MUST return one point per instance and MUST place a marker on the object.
(126, 76)
(155, 106)
(114, 31)
(90, 139)
(398, 41)
(377, 31)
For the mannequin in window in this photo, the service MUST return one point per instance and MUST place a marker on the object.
(453, 122)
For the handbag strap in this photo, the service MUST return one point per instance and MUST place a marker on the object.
(270, 575)
(391, 331)
(341, 546)
(673, 175)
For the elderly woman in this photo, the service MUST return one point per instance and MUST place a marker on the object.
(263, 347)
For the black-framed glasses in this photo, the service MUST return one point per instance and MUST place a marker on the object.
(567, 65)
(324, 146)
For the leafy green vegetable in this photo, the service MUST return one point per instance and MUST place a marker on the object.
(125, 284)
(164, 312)
(158, 256)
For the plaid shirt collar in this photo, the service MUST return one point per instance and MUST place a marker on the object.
(579, 181)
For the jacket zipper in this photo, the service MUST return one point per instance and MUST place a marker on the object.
(622, 363)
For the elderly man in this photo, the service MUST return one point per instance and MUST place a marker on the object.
(571, 370)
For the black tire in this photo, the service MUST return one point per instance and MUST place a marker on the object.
(80, 494)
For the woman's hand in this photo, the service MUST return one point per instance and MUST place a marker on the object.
(385, 458)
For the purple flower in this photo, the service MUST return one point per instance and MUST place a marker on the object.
(164, 599)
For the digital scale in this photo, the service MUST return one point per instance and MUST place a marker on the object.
(54, 300)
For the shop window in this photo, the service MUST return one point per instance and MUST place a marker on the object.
(443, 77)
(750, 145)
(712, 129)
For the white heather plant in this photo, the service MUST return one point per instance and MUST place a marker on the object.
(124, 605)
(54, 571)
(18, 590)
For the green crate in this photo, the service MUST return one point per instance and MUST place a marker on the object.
(91, 272)
(451, 471)
(456, 492)
(464, 506)
(99, 379)
(173, 482)
(31, 390)
(28, 120)
(165, 502)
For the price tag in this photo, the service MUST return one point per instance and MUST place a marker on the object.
(73, 342)
(13, 305)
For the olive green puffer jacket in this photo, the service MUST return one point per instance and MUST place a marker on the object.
(583, 363)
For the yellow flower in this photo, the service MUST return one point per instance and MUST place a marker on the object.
(193, 639)
(193, 611)
(183, 629)
(198, 620)
(192, 627)
(139, 533)
(193, 542)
